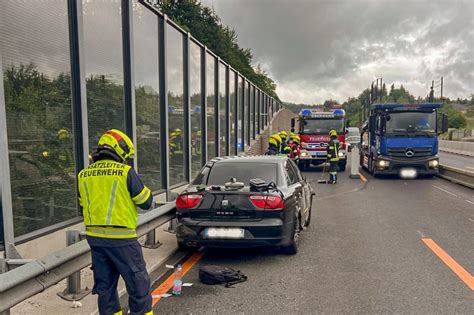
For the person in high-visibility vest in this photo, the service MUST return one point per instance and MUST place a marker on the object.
(333, 156)
(284, 143)
(274, 143)
(109, 193)
(294, 144)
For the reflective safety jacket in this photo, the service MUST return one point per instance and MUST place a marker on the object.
(286, 150)
(272, 150)
(295, 152)
(109, 193)
(333, 150)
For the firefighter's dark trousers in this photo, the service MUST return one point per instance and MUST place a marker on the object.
(126, 260)
(333, 168)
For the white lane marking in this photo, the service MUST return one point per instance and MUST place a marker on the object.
(448, 192)
(471, 202)
(421, 234)
(472, 168)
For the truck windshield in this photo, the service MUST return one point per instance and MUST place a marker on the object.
(408, 123)
(321, 126)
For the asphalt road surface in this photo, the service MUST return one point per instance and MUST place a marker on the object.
(456, 160)
(372, 247)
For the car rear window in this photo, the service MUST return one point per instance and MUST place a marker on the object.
(221, 173)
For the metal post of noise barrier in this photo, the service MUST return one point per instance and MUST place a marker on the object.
(73, 291)
(36, 276)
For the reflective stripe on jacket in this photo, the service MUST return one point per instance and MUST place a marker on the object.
(333, 150)
(108, 206)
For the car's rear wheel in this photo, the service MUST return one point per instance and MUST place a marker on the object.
(292, 248)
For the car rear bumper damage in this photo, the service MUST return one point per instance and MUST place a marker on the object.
(266, 232)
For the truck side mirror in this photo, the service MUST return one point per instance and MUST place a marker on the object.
(348, 122)
(292, 125)
(444, 123)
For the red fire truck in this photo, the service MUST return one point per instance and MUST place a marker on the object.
(313, 128)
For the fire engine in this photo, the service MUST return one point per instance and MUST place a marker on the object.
(313, 128)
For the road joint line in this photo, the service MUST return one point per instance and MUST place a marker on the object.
(446, 191)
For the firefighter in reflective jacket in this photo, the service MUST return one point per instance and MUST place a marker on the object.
(274, 143)
(110, 191)
(333, 156)
(284, 143)
(294, 144)
(176, 143)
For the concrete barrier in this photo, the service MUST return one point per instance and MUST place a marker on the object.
(457, 147)
(457, 175)
(281, 121)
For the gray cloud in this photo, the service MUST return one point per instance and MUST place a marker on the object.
(333, 49)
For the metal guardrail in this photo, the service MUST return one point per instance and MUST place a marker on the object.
(457, 175)
(35, 276)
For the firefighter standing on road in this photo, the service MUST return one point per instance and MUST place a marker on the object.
(333, 156)
(110, 190)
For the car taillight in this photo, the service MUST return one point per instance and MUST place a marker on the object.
(267, 202)
(188, 201)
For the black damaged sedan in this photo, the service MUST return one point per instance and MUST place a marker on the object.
(245, 201)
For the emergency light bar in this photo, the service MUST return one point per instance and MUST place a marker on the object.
(311, 113)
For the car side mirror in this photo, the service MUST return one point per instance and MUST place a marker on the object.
(444, 123)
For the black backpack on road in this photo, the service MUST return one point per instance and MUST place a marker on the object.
(220, 275)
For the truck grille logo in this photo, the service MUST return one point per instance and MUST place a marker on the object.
(409, 152)
(225, 203)
(323, 144)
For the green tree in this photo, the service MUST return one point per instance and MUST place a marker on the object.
(456, 119)
(207, 27)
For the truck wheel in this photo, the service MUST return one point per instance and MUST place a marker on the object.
(373, 169)
(342, 166)
(303, 165)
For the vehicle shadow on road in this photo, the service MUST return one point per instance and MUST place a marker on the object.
(397, 177)
(221, 255)
(314, 169)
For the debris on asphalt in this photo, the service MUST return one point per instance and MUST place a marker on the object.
(187, 284)
(76, 304)
(159, 296)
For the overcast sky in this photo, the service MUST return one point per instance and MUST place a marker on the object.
(321, 49)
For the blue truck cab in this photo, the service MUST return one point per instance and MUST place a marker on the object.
(402, 139)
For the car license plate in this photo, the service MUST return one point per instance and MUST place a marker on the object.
(408, 173)
(321, 153)
(231, 233)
